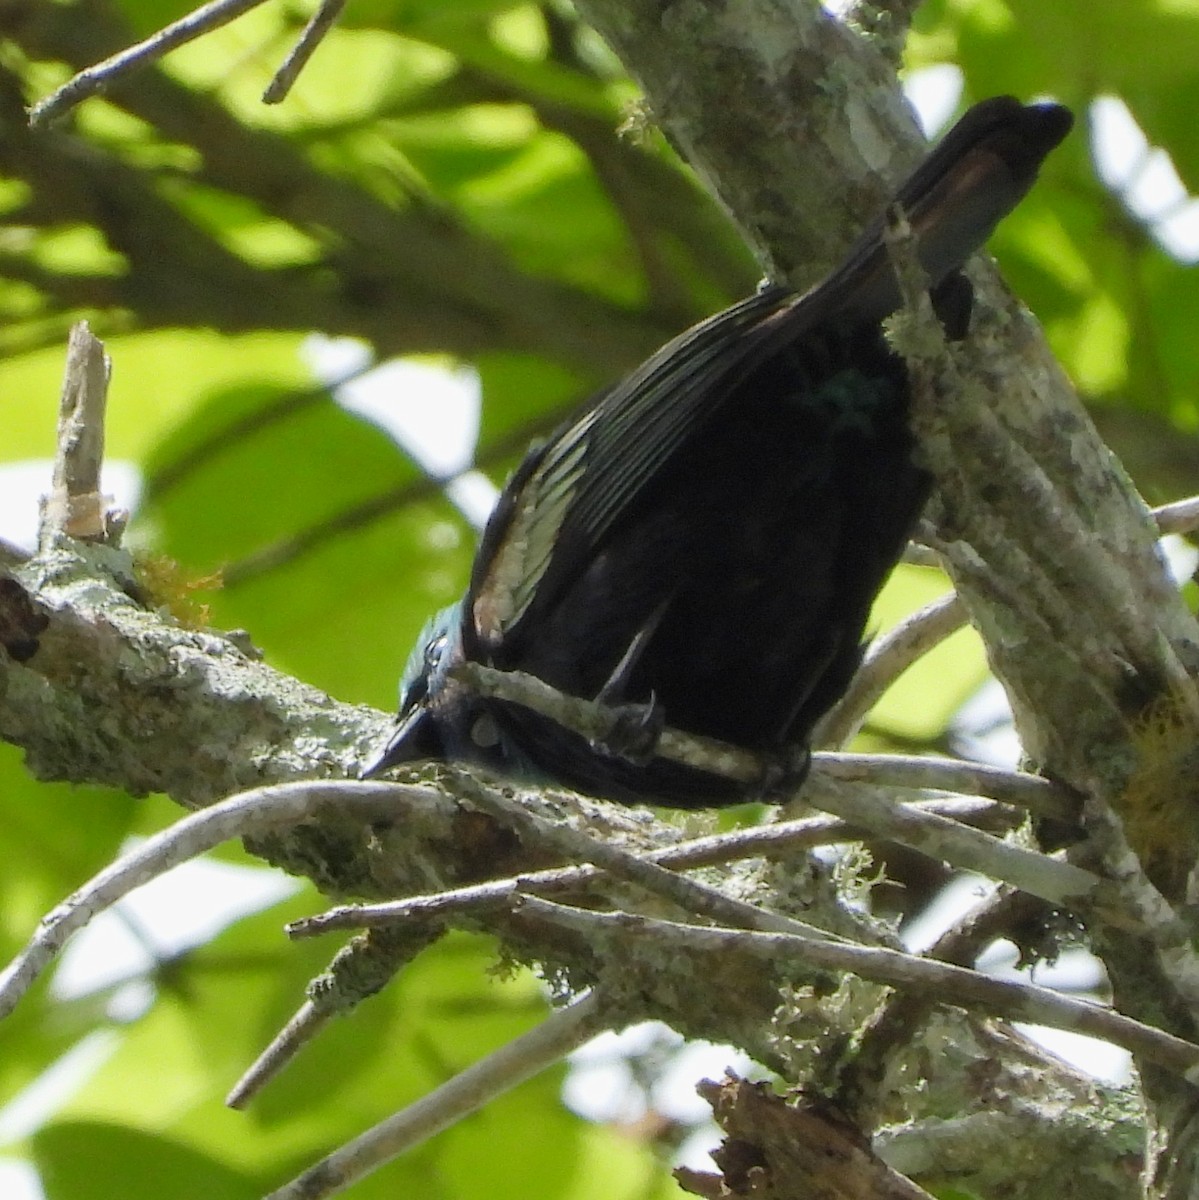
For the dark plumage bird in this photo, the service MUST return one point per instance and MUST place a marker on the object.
(707, 537)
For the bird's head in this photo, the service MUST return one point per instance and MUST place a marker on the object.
(417, 734)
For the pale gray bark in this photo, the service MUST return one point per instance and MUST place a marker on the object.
(787, 112)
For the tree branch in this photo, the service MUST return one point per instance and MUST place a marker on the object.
(941, 982)
(467, 1092)
(76, 507)
(769, 841)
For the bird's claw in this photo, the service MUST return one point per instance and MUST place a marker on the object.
(633, 732)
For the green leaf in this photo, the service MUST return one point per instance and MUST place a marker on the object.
(158, 379)
(83, 1159)
(920, 703)
(294, 462)
(47, 851)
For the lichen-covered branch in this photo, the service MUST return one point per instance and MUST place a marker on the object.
(1049, 546)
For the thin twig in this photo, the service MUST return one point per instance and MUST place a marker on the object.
(248, 813)
(595, 720)
(1038, 795)
(75, 505)
(944, 982)
(1181, 516)
(243, 815)
(304, 1025)
(360, 969)
(499, 1072)
(689, 894)
(886, 660)
(313, 34)
(97, 79)
(767, 841)
(944, 840)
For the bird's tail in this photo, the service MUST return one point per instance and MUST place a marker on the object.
(969, 182)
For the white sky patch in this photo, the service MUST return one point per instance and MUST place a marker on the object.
(432, 411)
(22, 483)
(188, 906)
(19, 1180)
(601, 1085)
(1107, 1063)
(1181, 557)
(934, 92)
(958, 897)
(1145, 179)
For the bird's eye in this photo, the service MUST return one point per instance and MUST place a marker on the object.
(434, 650)
(415, 689)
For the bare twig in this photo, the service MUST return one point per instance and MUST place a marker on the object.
(313, 34)
(944, 840)
(692, 896)
(361, 968)
(1182, 516)
(761, 840)
(942, 982)
(75, 505)
(248, 813)
(306, 1023)
(594, 720)
(886, 660)
(1038, 795)
(528, 1055)
(282, 805)
(97, 79)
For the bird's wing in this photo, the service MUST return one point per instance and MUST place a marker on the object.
(571, 493)
(586, 477)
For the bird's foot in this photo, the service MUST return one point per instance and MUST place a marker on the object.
(633, 732)
(783, 772)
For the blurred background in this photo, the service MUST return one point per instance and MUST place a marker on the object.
(335, 324)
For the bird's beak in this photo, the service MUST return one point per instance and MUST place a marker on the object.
(415, 737)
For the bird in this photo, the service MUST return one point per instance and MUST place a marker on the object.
(702, 542)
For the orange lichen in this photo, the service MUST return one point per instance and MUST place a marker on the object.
(1160, 801)
(167, 585)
